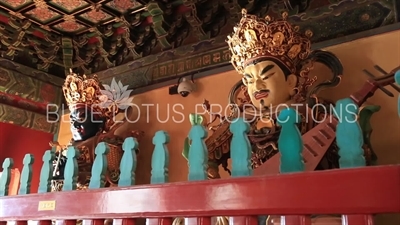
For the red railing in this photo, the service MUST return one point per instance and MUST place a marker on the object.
(360, 191)
(357, 194)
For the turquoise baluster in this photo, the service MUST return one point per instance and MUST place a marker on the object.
(159, 168)
(198, 159)
(160, 158)
(46, 173)
(26, 175)
(198, 154)
(128, 162)
(397, 79)
(240, 148)
(99, 167)
(5, 178)
(290, 142)
(241, 160)
(71, 169)
(349, 136)
(127, 169)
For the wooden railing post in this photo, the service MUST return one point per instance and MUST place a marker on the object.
(241, 167)
(99, 167)
(290, 144)
(397, 79)
(71, 169)
(46, 172)
(127, 176)
(46, 175)
(198, 159)
(5, 178)
(128, 163)
(26, 175)
(350, 141)
(25, 186)
(349, 135)
(159, 169)
(70, 177)
(98, 175)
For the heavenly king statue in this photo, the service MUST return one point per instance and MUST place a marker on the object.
(91, 123)
(274, 60)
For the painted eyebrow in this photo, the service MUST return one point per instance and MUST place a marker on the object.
(247, 75)
(266, 69)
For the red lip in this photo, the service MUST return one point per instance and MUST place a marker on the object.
(261, 94)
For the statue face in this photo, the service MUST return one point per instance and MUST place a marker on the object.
(267, 84)
(84, 123)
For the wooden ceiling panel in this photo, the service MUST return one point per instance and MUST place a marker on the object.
(91, 36)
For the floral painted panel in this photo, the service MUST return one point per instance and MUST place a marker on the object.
(70, 5)
(96, 16)
(43, 14)
(15, 4)
(69, 26)
(123, 5)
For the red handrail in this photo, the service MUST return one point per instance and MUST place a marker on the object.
(368, 190)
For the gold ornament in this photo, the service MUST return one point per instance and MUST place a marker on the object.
(256, 38)
(81, 90)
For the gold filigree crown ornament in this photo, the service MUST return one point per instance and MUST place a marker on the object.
(255, 38)
(80, 90)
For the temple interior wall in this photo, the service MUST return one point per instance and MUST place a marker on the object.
(383, 50)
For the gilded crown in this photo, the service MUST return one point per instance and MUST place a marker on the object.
(81, 90)
(255, 38)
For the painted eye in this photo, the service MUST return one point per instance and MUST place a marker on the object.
(268, 76)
